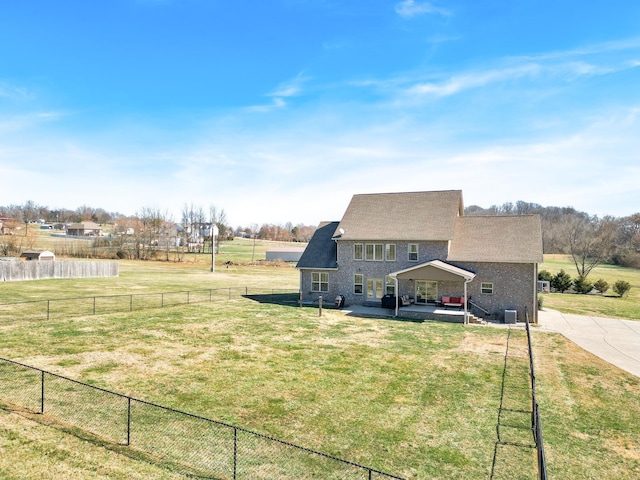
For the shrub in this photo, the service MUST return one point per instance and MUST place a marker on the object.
(561, 281)
(621, 287)
(582, 285)
(544, 275)
(540, 302)
(601, 286)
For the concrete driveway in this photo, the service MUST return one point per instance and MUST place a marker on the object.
(616, 341)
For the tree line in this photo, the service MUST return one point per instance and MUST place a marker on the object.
(589, 240)
(149, 233)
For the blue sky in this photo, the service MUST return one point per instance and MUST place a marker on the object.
(280, 110)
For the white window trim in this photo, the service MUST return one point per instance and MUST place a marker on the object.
(389, 284)
(320, 282)
(387, 248)
(486, 290)
(374, 245)
(361, 251)
(361, 284)
(409, 252)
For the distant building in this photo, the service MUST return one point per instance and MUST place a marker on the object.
(5, 228)
(83, 229)
(44, 256)
(286, 254)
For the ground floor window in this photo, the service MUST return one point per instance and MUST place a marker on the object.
(486, 288)
(390, 286)
(358, 283)
(319, 282)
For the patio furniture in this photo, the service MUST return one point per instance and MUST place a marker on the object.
(453, 302)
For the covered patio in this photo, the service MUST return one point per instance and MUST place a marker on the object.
(413, 312)
(423, 284)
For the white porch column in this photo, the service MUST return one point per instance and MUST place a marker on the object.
(466, 313)
(395, 279)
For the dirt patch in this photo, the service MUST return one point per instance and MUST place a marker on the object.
(482, 346)
(624, 448)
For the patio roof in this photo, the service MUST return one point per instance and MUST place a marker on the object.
(434, 270)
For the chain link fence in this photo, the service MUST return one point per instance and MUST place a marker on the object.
(519, 430)
(189, 444)
(109, 304)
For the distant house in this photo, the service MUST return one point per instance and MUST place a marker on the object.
(84, 229)
(5, 226)
(44, 256)
(286, 254)
(420, 250)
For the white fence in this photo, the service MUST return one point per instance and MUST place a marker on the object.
(14, 270)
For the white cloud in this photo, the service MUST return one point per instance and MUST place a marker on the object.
(475, 79)
(411, 8)
(291, 87)
(12, 92)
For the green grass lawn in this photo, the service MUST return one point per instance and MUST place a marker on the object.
(415, 399)
(608, 305)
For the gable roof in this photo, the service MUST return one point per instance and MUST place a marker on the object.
(84, 226)
(434, 270)
(402, 216)
(321, 252)
(497, 238)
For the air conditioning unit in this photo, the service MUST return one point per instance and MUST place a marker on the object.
(510, 316)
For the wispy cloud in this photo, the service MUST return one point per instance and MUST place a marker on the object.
(276, 103)
(12, 92)
(411, 8)
(569, 70)
(288, 89)
(466, 81)
(26, 121)
(291, 88)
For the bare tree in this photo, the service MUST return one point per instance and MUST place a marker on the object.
(30, 211)
(590, 241)
(194, 224)
(219, 219)
(151, 233)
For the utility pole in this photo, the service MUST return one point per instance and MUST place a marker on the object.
(214, 233)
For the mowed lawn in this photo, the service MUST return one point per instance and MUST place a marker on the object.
(419, 400)
(607, 305)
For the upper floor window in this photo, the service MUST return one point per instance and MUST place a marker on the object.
(413, 252)
(358, 251)
(373, 251)
(390, 252)
(319, 282)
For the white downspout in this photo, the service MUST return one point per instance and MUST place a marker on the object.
(466, 313)
(300, 291)
(395, 279)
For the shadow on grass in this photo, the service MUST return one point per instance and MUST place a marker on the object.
(157, 461)
(290, 298)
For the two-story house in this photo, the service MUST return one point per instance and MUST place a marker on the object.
(420, 246)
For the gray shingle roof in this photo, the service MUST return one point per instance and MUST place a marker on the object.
(497, 238)
(402, 216)
(85, 226)
(321, 252)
